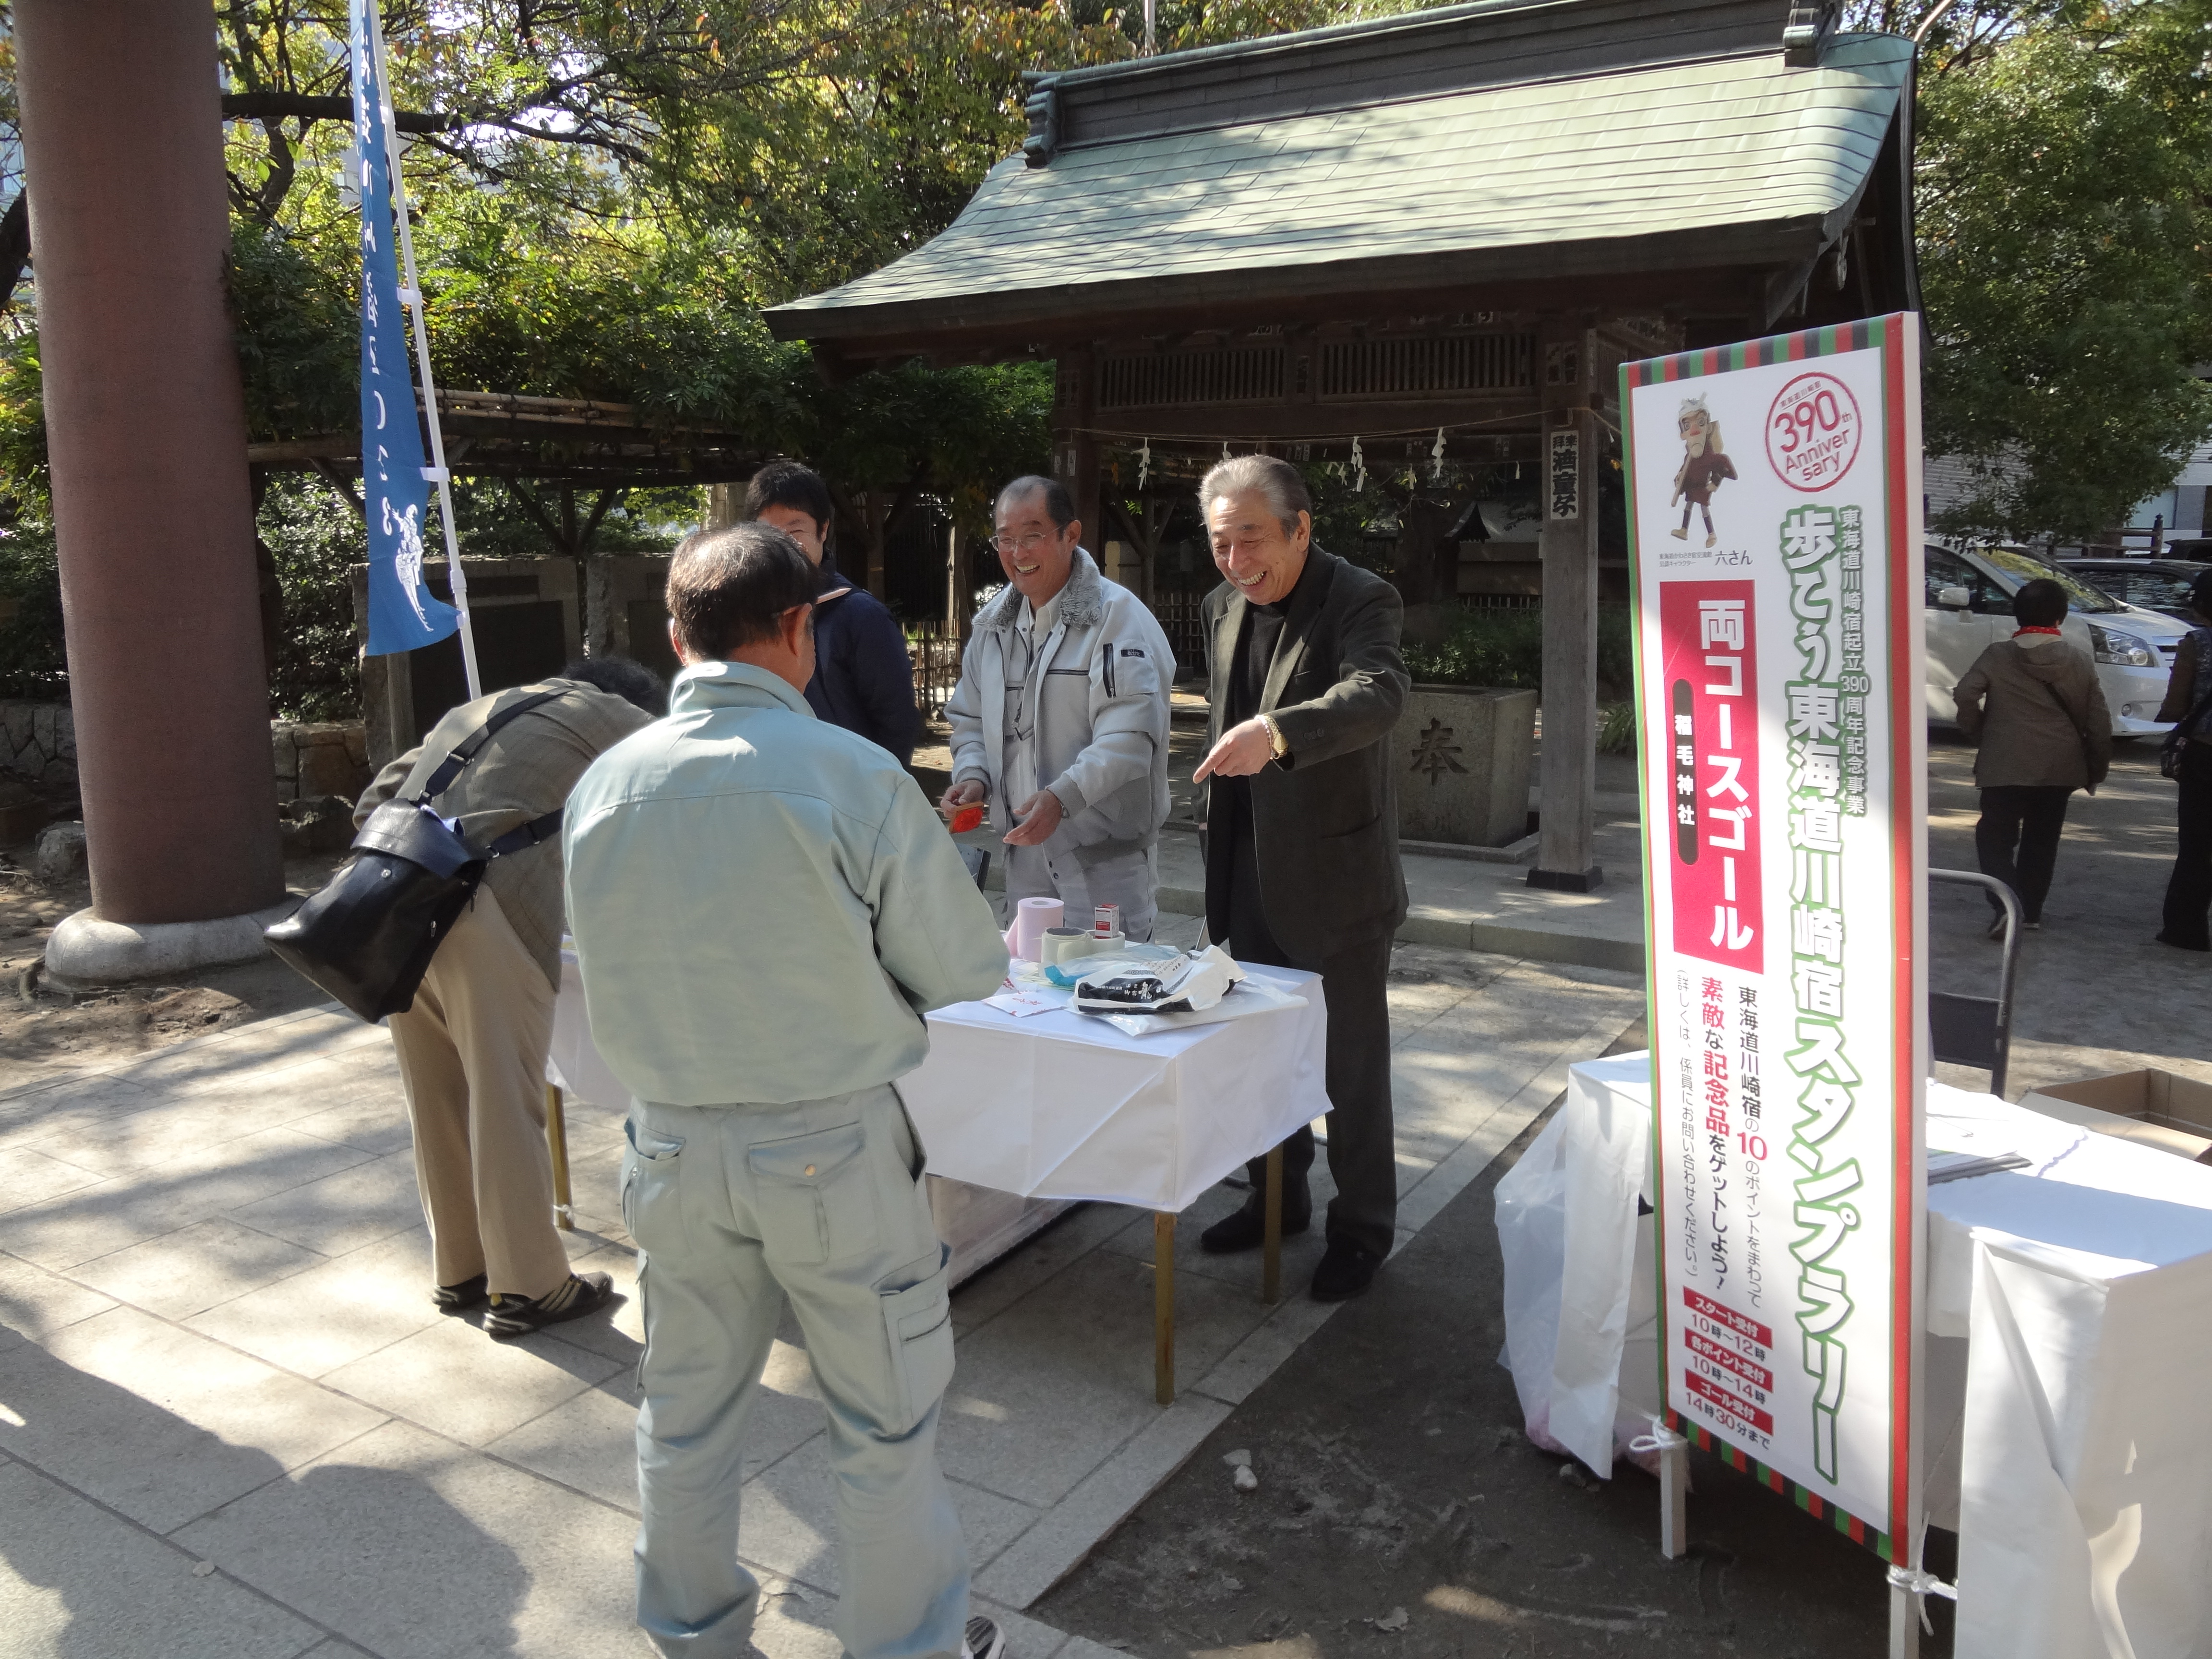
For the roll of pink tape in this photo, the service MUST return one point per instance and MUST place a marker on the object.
(1030, 920)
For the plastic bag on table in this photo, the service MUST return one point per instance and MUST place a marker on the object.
(1247, 997)
(1116, 985)
(1532, 1236)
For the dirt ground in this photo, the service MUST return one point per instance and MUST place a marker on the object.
(44, 1030)
(1401, 1514)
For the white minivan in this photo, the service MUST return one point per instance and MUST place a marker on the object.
(1970, 607)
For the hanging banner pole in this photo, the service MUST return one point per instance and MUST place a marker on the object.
(403, 614)
(1774, 511)
(410, 296)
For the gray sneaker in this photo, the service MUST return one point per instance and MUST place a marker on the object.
(984, 1640)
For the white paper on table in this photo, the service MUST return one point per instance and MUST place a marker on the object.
(1024, 1000)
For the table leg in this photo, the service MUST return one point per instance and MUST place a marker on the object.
(556, 1139)
(1675, 1500)
(1164, 1226)
(1271, 1270)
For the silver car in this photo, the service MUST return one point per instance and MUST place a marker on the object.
(1969, 596)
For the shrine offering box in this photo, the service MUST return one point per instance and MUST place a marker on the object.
(2174, 1114)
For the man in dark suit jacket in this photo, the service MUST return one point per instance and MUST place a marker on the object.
(1302, 828)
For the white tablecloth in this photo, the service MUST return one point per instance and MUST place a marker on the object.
(2069, 1448)
(1058, 1107)
(980, 1225)
(1062, 1105)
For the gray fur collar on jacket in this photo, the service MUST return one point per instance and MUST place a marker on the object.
(1082, 602)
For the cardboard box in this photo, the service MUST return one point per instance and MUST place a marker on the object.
(2151, 1107)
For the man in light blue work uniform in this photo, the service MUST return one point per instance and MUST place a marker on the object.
(764, 907)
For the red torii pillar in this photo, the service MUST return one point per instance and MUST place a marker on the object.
(146, 434)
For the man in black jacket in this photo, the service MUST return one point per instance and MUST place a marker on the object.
(1302, 828)
(863, 677)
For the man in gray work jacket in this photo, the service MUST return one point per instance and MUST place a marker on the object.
(1061, 718)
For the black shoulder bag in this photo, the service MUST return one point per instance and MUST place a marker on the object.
(368, 937)
(2176, 745)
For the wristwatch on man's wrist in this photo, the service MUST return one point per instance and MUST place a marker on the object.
(1275, 737)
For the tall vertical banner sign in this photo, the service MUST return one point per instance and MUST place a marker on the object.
(1775, 528)
(402, 613)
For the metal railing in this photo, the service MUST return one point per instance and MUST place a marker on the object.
(1966, 1030)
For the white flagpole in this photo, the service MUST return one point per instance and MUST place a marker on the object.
(410, 296)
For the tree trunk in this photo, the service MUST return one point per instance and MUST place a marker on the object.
(14, 246)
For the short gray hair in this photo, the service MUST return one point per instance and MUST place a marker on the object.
(1270, 475)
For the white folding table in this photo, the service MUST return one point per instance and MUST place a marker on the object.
(2069, 1323)
(1062, 1105)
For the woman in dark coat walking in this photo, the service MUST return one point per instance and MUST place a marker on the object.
(2034, 705)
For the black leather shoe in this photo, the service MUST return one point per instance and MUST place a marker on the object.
(1247, 1230)
(1346, 1270)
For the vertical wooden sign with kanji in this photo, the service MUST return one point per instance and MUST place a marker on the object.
(1774, 526)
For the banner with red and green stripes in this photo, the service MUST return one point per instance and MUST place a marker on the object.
(1774, 541)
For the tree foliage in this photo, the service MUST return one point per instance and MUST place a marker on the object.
(2064, 167)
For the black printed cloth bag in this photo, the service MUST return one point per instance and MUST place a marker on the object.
(367, 936)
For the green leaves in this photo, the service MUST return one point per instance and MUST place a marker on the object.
(2062, 228)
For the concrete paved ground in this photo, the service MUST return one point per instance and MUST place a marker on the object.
(1401, 1514)
(231, 1423)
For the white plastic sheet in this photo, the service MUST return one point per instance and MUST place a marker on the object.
(1581, 1326)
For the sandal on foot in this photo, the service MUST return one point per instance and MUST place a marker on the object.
(462, 1297)
(517, 1316)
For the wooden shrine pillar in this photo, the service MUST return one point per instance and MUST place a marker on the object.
(1075, 460)
(145, 432)
(1566, 858)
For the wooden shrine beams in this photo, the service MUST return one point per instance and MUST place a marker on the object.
(1723, 297)
(1567, 544)
(1075, 448)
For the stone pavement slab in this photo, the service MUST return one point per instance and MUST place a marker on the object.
(216, 1338)
(196, 1267)
(158, 1423)
(80, 1580)
(404, 1543)
(333, 1313)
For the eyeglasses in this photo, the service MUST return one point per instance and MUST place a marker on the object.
(1250, 546)
(1019, 544)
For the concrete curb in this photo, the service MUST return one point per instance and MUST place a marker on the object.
(85, 950)
(1499, 938)
(1450, 932)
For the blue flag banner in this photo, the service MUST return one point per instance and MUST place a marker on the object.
(402, 613)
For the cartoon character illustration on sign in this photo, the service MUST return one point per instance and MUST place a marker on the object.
(409, 561)
(1702, 468)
